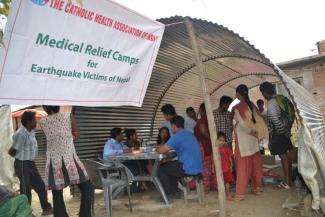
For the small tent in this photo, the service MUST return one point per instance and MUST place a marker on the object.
(229, 60)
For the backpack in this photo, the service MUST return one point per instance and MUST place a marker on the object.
(287, 109)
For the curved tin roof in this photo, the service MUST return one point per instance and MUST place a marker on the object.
(229, 60)
(226, 57)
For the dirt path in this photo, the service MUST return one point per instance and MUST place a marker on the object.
(267, 205)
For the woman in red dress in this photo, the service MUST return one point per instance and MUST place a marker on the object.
(201, 132)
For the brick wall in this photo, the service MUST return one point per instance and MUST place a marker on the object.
(318, 89)
(312, 78)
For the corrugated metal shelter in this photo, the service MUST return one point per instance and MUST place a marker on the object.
(229, 61)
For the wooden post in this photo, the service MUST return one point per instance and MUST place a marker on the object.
(212, 126)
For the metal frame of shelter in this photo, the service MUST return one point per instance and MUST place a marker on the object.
(228, 60)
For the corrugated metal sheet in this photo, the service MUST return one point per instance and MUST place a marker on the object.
(311, 152)
(41, 159)
(174, 80)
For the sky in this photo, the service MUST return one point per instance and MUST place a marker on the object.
(283, 30)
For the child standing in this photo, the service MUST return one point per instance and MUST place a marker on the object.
(226, 162)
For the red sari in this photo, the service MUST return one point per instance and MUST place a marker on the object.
(209, 176)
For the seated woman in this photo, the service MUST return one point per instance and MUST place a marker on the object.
(12, 204)
(163, 136)
(132, 140)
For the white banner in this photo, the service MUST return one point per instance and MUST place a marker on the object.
(77, 52)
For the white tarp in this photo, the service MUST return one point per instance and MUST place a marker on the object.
(311, 150)
(91, 53)
(6, 161)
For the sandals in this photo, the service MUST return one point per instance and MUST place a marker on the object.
(236, 198)
(230, 197)
(282, 185)
(257, 191)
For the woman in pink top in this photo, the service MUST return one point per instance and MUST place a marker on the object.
(63, 166)
(250, 128)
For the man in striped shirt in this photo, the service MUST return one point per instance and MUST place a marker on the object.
(279, 131)
(24, 149)
(223, 119)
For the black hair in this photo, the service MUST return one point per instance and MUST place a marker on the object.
(221, 134)
(243, 91)
(51, 108)
(202, 107)
(116, 131)
(27, 116)
(168, 109)
(225, 100)
(129, 133)
(190, 109)
(260, 101)
(178, 121)
(268, 88)
(159, 141)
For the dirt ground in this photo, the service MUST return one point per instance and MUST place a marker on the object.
(144, 205)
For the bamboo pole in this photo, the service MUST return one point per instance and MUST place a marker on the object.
(212, 128)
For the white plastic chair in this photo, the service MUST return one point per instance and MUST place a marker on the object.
(112, 185)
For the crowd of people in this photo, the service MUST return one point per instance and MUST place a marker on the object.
(242, 166)
(187, 134)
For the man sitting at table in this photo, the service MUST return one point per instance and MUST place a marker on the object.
(114, 146)
(189, 157)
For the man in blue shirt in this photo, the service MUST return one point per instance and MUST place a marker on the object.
(189, 157)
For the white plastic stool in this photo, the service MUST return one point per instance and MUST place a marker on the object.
(185, 185)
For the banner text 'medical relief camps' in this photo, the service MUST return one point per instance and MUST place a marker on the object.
(88, 49)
